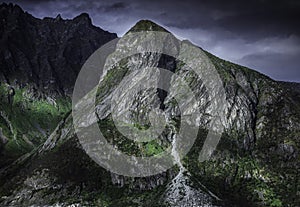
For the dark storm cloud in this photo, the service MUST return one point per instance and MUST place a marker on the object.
(262, 34)
(276, 62)
(116, 6)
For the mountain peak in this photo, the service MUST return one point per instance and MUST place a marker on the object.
(84, 17)
(10, 8)
(147, 25)
(58, 17)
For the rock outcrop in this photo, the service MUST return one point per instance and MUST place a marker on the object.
(45, 54)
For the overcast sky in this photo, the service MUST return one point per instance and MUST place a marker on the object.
(261, 34)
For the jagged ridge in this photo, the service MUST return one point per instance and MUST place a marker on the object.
(39, 60)
(50, 54)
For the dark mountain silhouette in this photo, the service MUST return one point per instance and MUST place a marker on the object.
(48, 53)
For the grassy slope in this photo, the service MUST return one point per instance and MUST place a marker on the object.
(27, 121)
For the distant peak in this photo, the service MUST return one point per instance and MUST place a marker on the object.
(58, 17)
(83, 17)
(11, 7)
(147, 25)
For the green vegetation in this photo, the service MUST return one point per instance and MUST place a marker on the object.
(242, 178)
(153, 148)
(141, 127)
(111, 79)
(27, 121)
(228, 71)
(129, 146)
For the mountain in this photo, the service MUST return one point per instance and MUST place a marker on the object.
(256, 162)
(46, 53)
(40, 60)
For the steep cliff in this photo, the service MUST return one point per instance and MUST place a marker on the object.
(39, 63)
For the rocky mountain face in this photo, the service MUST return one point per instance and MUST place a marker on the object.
(39, 63)
(256, 162)
(48, 53)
